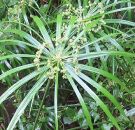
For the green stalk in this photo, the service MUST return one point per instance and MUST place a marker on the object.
(56, 102)
(41, 105)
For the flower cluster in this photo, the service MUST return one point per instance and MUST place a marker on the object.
(95, 11)
(14, 13)
(54, 62)
(22, 3)
(67, 49)
(38, 55)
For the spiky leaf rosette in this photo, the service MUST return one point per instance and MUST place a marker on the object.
(64, 55)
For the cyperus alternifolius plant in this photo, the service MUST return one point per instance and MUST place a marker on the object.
(64, 54)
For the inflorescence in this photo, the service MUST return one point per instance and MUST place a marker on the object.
(95, 11)
(72, 46)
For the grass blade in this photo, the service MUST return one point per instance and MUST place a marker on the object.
(56, 102)
(16, 56)
(103, 90)
(25, 103)
(120, 21)
(104, 73)
(80, 98)
(43, 30)
(94, 96)
(18, 84)
(104, 53)
(58, 27)
(14, 70)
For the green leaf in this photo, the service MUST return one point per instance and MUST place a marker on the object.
(56, 102)
(58, 27)
(18, 84)
(25, 102)
(43, 30)
(104, 73)
(103, 90)
(16, 56)
(17, 69)
(94, 96)
(16, 42)
(120, 9)
(70, 27)
(120, 21)
(114, 4)
(84, 107)
(100, 39)
(26, 36)
(104, 53)
(113, 42)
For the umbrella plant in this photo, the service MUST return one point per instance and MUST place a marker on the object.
(76, 51)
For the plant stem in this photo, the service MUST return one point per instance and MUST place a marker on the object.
(56, 102)
(41, 105)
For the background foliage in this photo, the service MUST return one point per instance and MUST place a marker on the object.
(67, 64)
